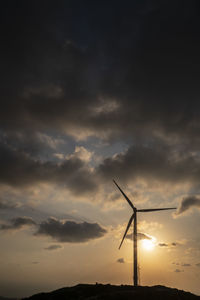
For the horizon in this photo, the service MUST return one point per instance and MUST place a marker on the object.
(91, 92)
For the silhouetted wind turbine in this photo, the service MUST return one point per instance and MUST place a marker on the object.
(134, 217)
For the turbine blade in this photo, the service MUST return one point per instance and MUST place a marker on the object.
(129, 201)
(154, 209)
(127, 228)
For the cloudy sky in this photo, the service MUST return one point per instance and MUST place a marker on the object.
(91, 91)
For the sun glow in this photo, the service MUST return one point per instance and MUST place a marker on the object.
(148, 245)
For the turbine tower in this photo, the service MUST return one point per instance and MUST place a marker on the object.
(134, 217)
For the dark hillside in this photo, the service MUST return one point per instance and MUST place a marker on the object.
(113, 292)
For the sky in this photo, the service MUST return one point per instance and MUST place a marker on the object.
(94, 91)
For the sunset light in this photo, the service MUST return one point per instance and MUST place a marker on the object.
(148, 245)
(99, 146)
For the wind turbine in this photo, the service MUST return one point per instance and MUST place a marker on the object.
(134, 217)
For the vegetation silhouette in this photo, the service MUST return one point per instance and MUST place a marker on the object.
(114, 292)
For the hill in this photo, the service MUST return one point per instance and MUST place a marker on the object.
(114, 292)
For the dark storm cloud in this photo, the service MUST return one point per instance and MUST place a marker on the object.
(7, 205)
(53, 247)
(69, 231)
(20, 169)
(143, 55)
(156, 161)
(188, 203)
(120, 71)
(141, 236)
(18, 223)
(33, 143)
(121, 260)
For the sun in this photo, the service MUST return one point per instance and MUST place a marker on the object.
(148, 245)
